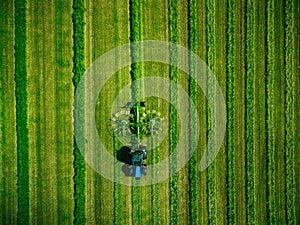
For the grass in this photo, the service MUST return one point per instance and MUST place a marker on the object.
(250, 45)
(231, 122)
(21, 110)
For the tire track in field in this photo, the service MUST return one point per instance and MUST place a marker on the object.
(8, 155)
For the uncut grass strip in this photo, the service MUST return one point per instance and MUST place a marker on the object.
(211, 54)
(271, 203)
(173, 133)
(250, 114)
(21, 112)
(230, 95)
(78, 70)
(193, 171)
(289, 112)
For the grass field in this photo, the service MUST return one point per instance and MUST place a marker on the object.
(251, 46)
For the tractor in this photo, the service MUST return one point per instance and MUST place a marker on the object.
(134, 121)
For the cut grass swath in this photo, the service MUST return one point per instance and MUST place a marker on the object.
(136, 73)
(250, 113)
(231, 110)
(289, 112)
(211, 170)
(230, 91)
(21, 110)
(193, 170)
(173, 132)
(271, 203)
(78, 70)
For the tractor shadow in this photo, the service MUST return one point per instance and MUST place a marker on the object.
(124, 157)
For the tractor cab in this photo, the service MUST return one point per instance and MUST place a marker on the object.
(138, 157)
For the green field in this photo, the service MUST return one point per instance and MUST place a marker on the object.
(251, 46)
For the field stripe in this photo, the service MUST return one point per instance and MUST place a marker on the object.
(279, 121)
(21, 111)
(297, 107)
(193, 168)
(8, 147)
(202, 52)
(250, 114)
(231, 111)
(249, 126)
(289, 112)
(64, 89)
(136, 73)
(240, 112)
(173, 126)
(211, 55)
(270, 112)
(78, 70)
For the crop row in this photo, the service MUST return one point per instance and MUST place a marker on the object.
(289, 113)
(230, 95)
(270, 111)
(249, 126)
(173, 132)
(211, 170)
(193, 170)
(78, 70)
(21, 110)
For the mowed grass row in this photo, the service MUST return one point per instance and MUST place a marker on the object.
(78, 72)
(211, 62)
(173, 116)
(272, 217)
(231, 111)
(290, 111)
(50, 103)
(136, 73)
(250, 112)
(21, 112)
(193, 165)
(8, 148)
